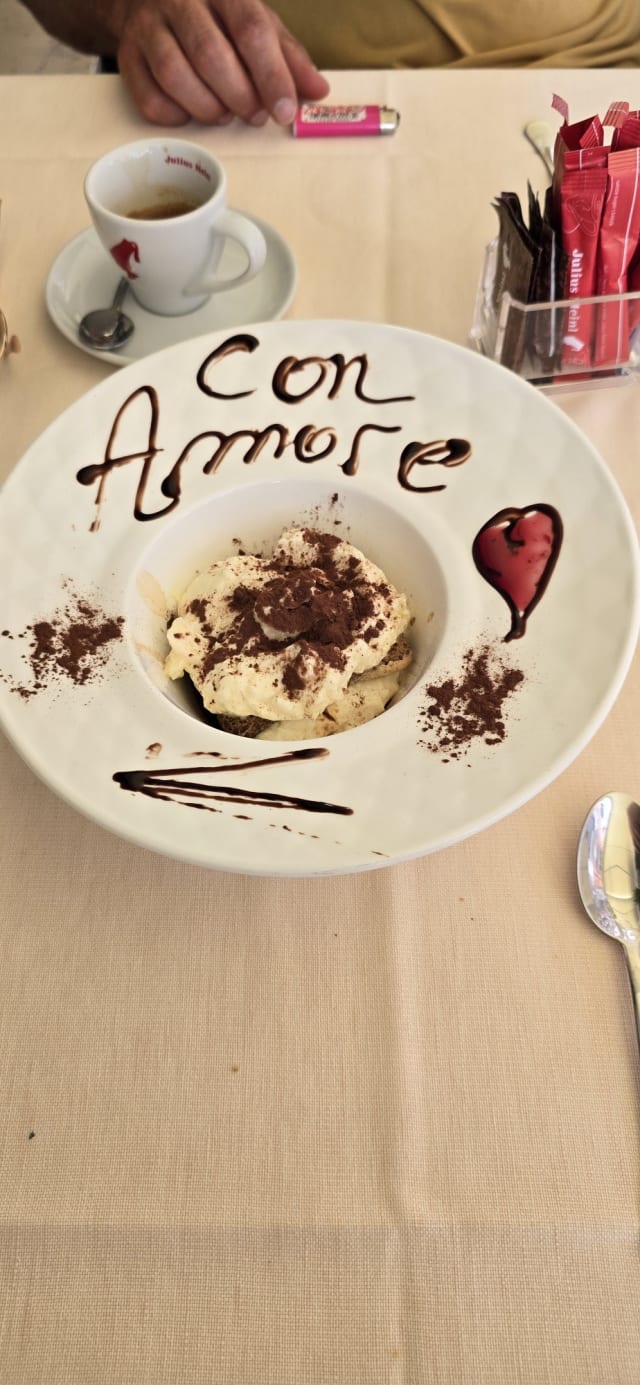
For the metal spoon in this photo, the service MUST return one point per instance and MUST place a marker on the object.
(106, 329)
(609, 877)
(540, 136)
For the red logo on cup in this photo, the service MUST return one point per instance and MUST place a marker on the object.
(123, 253)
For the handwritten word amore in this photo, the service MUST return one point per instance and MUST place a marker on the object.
(294, 380)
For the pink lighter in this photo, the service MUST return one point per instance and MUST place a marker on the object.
(312, 120)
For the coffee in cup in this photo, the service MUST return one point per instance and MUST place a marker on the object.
(159, 207)
(167, 205)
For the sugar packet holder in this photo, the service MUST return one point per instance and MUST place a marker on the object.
(540, 330)
(596, 199)
(578, 320)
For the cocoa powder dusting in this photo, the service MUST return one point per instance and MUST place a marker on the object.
(317, 606)
(469, 707)
(74, 643)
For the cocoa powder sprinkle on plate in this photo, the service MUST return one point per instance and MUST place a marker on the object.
(469, 706)
(74, 643)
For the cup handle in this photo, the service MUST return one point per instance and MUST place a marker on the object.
(241, 229)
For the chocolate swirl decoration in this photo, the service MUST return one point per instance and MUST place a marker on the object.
(290, 367)
(516, 552)
(99, 472)
(445, 452)
(294, 380)
(178, 785)
(241, 341)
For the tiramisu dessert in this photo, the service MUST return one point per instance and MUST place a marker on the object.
(307, 642)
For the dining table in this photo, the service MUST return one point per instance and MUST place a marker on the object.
(322, 1129)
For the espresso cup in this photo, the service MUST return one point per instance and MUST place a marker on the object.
(159, 207)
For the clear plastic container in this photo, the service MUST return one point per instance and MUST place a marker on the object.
(533, 339)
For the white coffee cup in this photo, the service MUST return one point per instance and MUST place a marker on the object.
(159, 208)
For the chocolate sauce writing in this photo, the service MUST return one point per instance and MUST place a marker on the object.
(516, 552)
(293, 381)
(179, 786)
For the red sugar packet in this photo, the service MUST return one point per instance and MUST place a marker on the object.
(633, 286)
(582, 195)
(627, 135)
(583, 132)
(618, 242)
(577, 197)
(617, 114)
(576, 146)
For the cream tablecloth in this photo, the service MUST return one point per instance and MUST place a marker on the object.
(370, 1129)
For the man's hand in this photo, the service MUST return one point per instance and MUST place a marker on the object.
(211, 60)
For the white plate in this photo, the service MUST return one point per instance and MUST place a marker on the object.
(402, 799)
(83, 277)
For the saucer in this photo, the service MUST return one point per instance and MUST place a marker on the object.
(83, 277)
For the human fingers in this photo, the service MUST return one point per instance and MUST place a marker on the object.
(144, 91)
(257, 36)
(213, 53)
(162, 80)
(310, 84)
(180, 59)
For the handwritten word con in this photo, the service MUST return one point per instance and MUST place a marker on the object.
(294, 380)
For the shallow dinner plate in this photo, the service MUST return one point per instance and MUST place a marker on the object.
(83, 277)
(410, 448)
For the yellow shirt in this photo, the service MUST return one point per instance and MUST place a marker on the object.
(466, 33)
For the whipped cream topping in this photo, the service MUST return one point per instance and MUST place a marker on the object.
(360, 702)
(280, 637)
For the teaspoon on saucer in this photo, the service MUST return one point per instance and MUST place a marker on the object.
(609, 877)
(105, 329)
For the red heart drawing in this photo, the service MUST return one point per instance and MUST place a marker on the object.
(516, 552)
